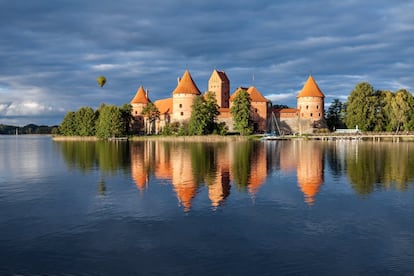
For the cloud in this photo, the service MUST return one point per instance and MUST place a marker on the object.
(282, 98)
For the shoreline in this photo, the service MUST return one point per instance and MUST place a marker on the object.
(206, 138)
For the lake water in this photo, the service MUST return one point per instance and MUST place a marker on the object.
(238, 208)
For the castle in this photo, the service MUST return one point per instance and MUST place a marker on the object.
(308, 117)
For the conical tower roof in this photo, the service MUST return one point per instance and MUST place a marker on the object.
(186, 85)
(140, 97)
(311, 89)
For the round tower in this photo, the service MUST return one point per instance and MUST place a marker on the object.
(311, 101)
(183, 97)
(138, 103)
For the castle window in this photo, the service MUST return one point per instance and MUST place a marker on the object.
(311, 114)
(307, 107)
(136, 112)
(181, 105)
(255, 110)
(319, 114)
(317, 107)
(182, 113)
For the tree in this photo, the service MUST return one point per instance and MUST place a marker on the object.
(198, 120)
(126, 117)
(204, 114)
(362, 107)
(335, 115)
(402, 104)
(110, 122)
(240, 112)
(212, 111)
(85, 120)
(280, 106)
(151, 112)
(68, 125)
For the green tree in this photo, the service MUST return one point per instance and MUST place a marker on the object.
(240, 112)
(68, 125)
(280, 106)
(212, 111)
(151, 112)
(85, 120)
(204, 114)
(387, 98)
(126, 117)
(110, 122)
(335, 115)
(198, 120)
(362, 107)
(402, 104)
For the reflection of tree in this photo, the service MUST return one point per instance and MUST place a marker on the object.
(364, 168)
(397, 163)
(101, 187)
(334, 159)
(203, 161)
(383, 165)
(109, 156)
(241, 164)
(112, 155)
(80, 154)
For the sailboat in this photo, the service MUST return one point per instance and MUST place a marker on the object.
(274, 129)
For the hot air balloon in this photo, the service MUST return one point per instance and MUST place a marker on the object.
(101, 81)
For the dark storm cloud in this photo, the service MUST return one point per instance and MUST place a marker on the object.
(52, 51)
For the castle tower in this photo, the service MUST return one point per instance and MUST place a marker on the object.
(311, 101)
(183, 96)
(138, 103)
(220, 85)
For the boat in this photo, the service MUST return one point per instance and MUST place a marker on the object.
(274, 130)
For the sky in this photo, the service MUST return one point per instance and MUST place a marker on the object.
(52, 51)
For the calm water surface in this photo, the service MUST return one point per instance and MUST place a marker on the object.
(158, 208)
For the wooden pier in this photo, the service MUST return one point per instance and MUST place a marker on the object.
(363, 137)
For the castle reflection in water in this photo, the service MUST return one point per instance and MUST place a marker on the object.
(218, 167)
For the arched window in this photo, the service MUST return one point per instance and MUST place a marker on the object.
(182, 113)
(311, 114)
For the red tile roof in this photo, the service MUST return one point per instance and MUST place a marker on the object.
(237, 92)
(140, 97)
(165, 106)
(186, 85)
(311, 89)
(255, 95)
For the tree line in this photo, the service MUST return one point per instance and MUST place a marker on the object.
(27, 129)
(373, 110)
(107, 121)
